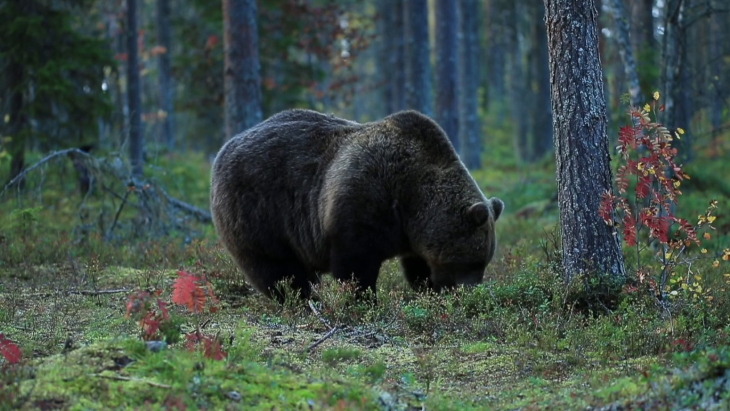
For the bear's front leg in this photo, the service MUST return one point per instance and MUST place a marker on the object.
(417, 272)
(356, 263)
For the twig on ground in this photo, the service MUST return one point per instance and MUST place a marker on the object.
(121, 378)
(329, 334)
(78, 292)
(318, 315)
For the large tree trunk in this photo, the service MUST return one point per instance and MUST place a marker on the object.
(136, 142)
(418, 62)
(242, 79)
(590, 246)
(165, 76)
(626, 52)
(447, 46)
(468, 84)
(542, 130)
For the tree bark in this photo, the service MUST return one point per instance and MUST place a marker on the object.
(164, 75)
(136, 143)
(418, 61)
(446, 107)
(468, 84)
(242, 78)
(590, 246)
(626, 52)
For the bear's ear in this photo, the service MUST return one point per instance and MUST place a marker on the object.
(478, 213)
(497, 207)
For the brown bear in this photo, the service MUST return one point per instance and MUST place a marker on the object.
(304, 193)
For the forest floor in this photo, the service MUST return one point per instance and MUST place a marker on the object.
(523, 340)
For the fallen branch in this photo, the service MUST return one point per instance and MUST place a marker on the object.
(329, 334)
(199, 214)
(121, 378)
(42, 161)
(318, 315)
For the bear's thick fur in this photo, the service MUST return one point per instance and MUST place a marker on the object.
(304, 193)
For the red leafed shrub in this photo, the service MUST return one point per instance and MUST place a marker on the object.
(194, 292)
(649, 162)
(150, 312)
(153, 316)
(9, 350)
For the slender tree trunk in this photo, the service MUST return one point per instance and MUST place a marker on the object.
(672, 75)
(626, 52)
(18, 126)
(468, 84)
(165, 75)
(496, 59)
(517, 82)
(590, 246)
(398, 57)
(385, 57)
(447, 46)
(542, 130)
(716, 76)
(136, 142)
(644, 44)
(418, 53)
(241, 72)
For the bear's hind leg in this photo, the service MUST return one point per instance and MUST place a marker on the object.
(416, 271)
(266, 273)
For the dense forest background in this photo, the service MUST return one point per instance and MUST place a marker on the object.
(476, 66)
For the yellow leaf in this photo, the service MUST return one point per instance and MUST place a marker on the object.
(697, 277)
(716, 263)
(647, 108)
(7, 118)
(676, 184)
(711, 218)
(725, 257)
(680, 130)
(674, 292)
(668, 255)
(656, 95)
(703, 251)
(706, 236)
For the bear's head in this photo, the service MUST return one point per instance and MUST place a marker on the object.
(456, 237)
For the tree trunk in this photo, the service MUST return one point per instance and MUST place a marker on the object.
(626, 52)
(17, 128)
(542, 126)
(517, 82)
(385, 55)
(672, 74)
(590, 246)
(397, 74)
(241, 72)
(447, 46)
(716, 76)
(644, 44)
(468, 84)
(496, 59)
(136, 143)
(164, 75)
(418, 62)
